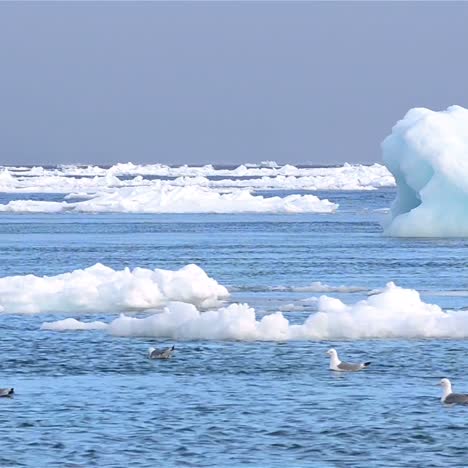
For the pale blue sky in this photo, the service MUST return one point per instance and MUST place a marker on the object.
(222, 82)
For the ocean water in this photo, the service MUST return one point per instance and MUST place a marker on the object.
(88, 399)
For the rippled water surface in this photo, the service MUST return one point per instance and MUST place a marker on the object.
(90, 399)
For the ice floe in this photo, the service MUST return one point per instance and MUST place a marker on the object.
(395, 312)
(167, 198)
(67, 179)
(102, 289)
(319, 287)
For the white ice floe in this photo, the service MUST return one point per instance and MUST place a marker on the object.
(268, 169)
(7, 181)
(319, 287)
(102, 289)
(33, 206)
(73, 324)
(427, 152)
(132, 188)
(67, 179)
(166, 198)
(394, 313)
(62, 184)
(193, 199)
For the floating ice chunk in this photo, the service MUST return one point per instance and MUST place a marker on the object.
(394, 313)
(34, 206)
(291, 307)
(427, 152)
(318, 286)
(184, 321)
(165, 198)
(269, 164)
(6, 179)
(193, 199)
(62, 184)
(73, 324)
(102, 289)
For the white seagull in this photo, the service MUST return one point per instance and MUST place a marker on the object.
(450, 398)
(337, 365)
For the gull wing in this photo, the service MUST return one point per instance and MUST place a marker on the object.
(457, 398)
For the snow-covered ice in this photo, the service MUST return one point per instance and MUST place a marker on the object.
(395, 312)
(167, 198)
(102, 289)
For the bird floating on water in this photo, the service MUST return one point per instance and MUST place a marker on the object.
(7, 392)
(154, 353)
(450, 398)
(337, 365)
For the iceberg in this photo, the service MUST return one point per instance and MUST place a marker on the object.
(427, 153)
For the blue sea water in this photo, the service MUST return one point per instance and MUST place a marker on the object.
(88, 399)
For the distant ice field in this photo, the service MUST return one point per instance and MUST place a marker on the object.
(129, 188)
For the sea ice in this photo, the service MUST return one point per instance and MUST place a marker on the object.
(395, 312)
(427, 152)
(68, 179)
(166, 198)
(102, 289)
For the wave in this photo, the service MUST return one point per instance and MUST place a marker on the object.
(393, 313)
(102, 289)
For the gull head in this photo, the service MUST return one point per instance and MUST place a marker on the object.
(332, 352)
(445, 383)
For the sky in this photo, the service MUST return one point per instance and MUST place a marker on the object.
(221, 82)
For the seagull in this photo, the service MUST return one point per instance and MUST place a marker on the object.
(337, 365)
(451, 398)
(154, 353)
(6, 392)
